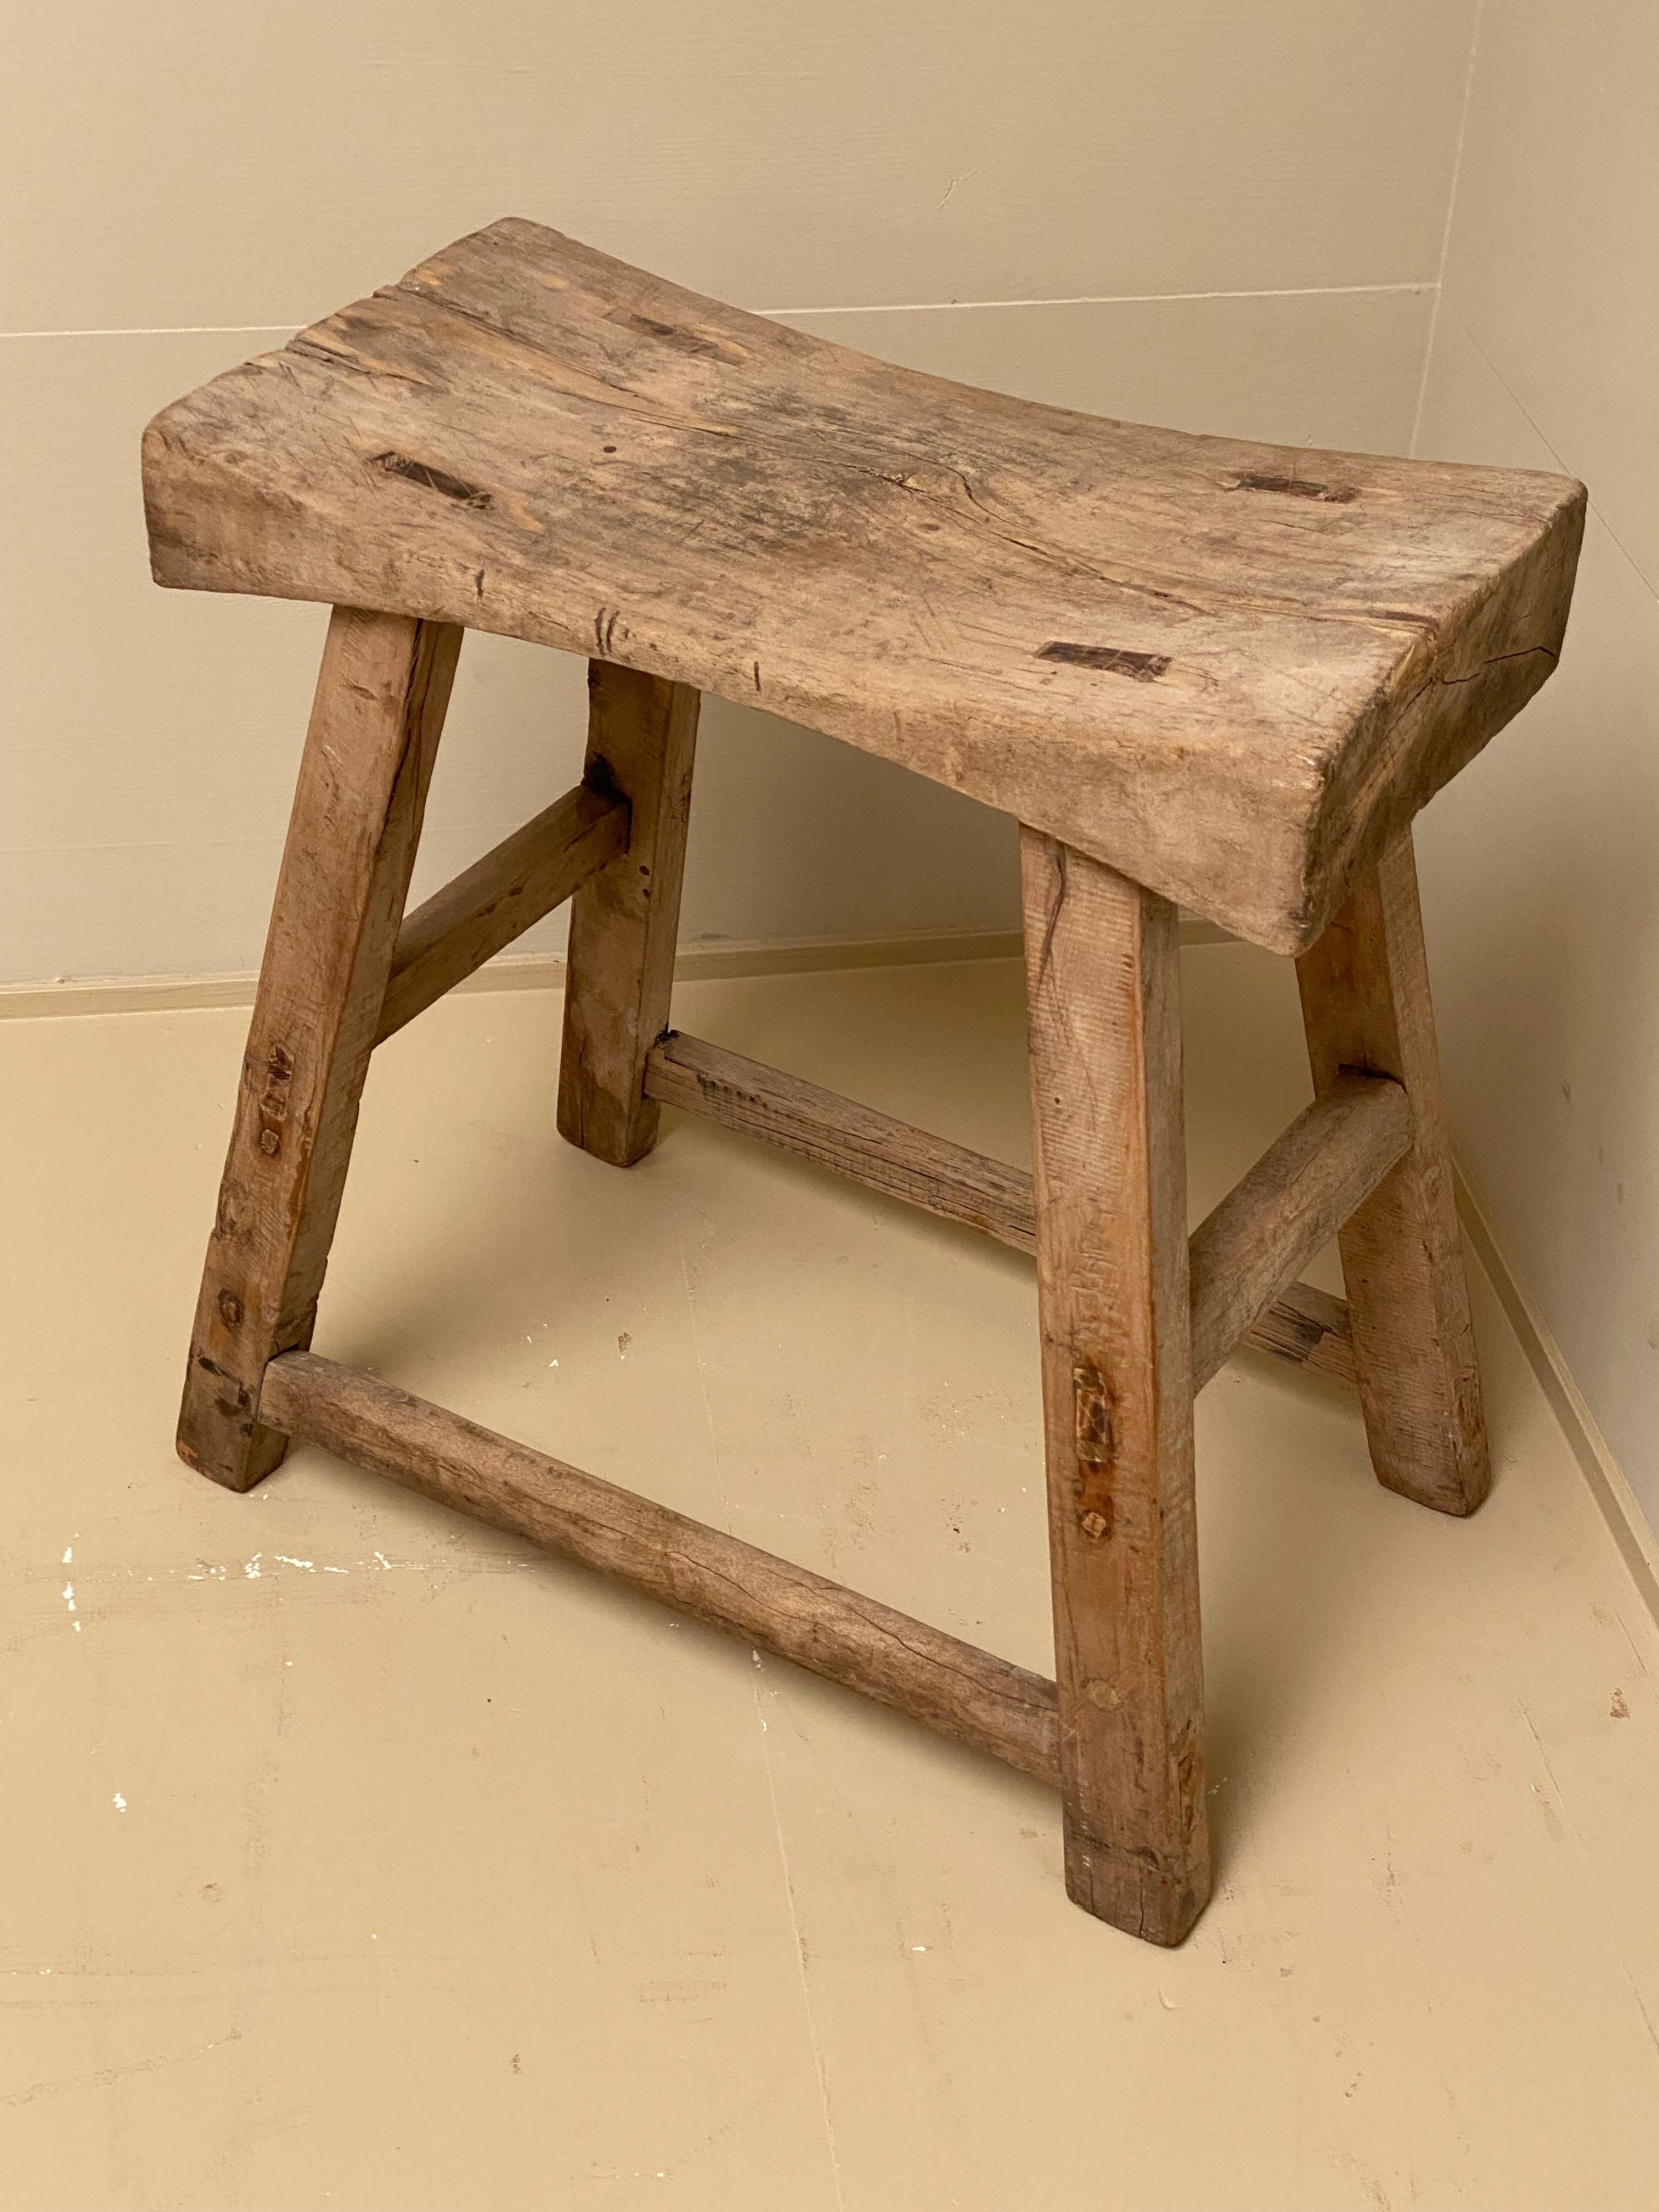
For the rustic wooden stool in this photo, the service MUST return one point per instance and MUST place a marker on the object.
(1195, 671)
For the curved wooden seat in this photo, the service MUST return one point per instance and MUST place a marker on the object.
(1232, 671)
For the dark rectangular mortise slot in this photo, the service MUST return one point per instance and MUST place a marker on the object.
(1110, 659)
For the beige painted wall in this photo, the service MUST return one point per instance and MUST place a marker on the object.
(1225, 217)
(1541, 864)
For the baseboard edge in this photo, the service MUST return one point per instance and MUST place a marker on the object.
(1627, 1523)
(699, 962)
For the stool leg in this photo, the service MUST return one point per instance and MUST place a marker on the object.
(1366, 1005)
(625, 919)
(379, 707)
(1102, 991)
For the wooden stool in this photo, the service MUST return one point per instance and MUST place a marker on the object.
(1195, 669)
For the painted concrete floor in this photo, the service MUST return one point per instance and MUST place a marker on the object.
(357, 1859)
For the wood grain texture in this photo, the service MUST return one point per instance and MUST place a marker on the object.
(1366, 1005)
(381, 696)
(1233, 671)
(624, 920)
(1299, 1323)
(1256, 1241)
(964, 1693)
(875, 1149)
(500, 896)
(1103, 997)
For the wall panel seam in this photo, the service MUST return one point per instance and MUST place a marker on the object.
(880, 307)
(1446, 234)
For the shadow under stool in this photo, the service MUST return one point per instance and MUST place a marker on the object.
(1197, 671)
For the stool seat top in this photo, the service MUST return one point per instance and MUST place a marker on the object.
(1233, 671)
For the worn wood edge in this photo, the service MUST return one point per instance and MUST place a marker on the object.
(494, 901)
(1398, 759)
(970, 1696)
(1608, 1484)
(1254, 1244)
(1303, 1325)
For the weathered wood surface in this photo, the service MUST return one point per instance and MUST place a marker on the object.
(964, 1693)
(1366, 1005)
(500, 896)
(1234, 672)
(381, 696)
(888, 1155)
(624, 920)
(1257, 1240)
(1301, 1324)
(1103, 998)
